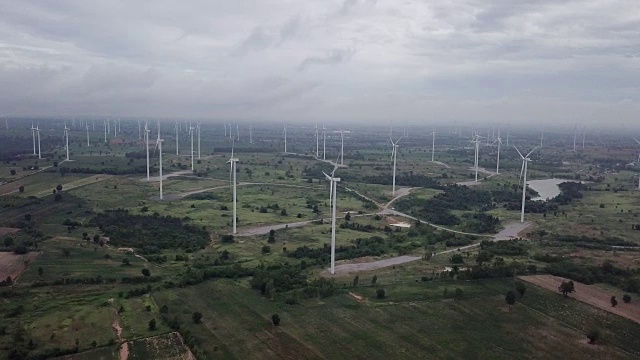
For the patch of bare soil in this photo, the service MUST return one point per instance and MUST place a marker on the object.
(124, 346)
(357, 297)
(589, 294)
(13, 265)
(620, 258)
(7, 230)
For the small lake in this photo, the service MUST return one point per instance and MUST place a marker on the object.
(546, 188)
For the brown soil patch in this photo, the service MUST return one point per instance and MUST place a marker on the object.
(589, 294)
(7, 230)
(357, 297)
(13, 265)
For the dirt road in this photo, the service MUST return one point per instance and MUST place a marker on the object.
(589, 294)
(344, 269)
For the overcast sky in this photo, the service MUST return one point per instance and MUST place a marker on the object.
(470, 61)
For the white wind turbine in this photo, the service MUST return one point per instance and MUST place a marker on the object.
(317, 143)
(476, 140)
(159, 147)
(198, 128)
(332, 202)
(499, 143)
(177, 145)
(250, 134)
(575, 134)
(285, 138)
(139, 131)
(433, 145)
(525, 161)
(324, 143)
(237, 133)
(541, 137)
(88, 144)
(115, 128)
(638, 162)
(66, 136)
(146, 146)
(38, 135)
(191, 128)
(342, 132)
(233, 162)
(394, 154)
(33, 135)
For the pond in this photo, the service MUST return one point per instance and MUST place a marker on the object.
(546, 188)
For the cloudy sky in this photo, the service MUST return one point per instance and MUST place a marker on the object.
(323, 60)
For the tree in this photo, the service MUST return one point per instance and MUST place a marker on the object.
(374, 279)
(457, 259)
(8, 241)
(13, 172)
(626, 298)
(380, 293)
(510, 298)
(146, 272)
(272, 236)
(483, 256)
(59, 187)
(21, 188)
(614, 301)
(266, 249)
(275, 319)
(356, 280)
(227, 239)
(40, 271)
(566, 288)
(152, 324)
(520, 288)
(197, 317)
(347, 217)
(283, 212)
(593, 335)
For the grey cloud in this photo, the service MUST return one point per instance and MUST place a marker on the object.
(336, 56)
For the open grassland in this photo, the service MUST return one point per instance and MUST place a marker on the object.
(236, 324)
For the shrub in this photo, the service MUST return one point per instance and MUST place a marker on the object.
(275, 319)
(380, 294)
(626, 298)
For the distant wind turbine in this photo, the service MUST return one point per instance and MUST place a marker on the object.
(146, 146)
(33, 135)
(285, 138)
(476, 141)
(523, 171)
(66, 136)
(88, 144)
(433, 145)
(38, 135)
(177, 141)
(394, 154)
(159, 147)
(191, 128)
(198, 128)
(317, 143)
(498, 142)
(233, 162)
(332, 202)
(324, 143)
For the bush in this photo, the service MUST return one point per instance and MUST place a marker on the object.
(197, 317)
(227, 239)
(593, 335)
(626, 298)
(380, 294)
(457, 259)
(266, 249)
(152, 324)
(275, 319)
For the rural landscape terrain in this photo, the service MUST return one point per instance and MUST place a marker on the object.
(103, 258)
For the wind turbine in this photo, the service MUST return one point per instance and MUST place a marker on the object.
(250, 134)
(88, 144)
(33, 135)
(394, 154)
(433, 144)
(476, 140)
(638, 162)
(317, 143)
(237, 132)
(115, 128)
(498, 142)
(575, 134)
(198, 128)
(233, 162)
(139, 131)
(525, 161)
(541, 137)
(66, 136)
(583, 131)
(105, 131)
(334, 184)
(191, 132)
(159, 147)
(342, 132)
(324, 143)
(177, 147)
(285, 138)
(146, 146)
(38, 136)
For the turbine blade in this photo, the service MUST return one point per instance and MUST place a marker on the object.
(534, 149)
(519, 153)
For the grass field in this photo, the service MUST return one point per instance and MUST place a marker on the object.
(407, 324)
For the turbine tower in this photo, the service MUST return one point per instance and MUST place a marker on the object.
(38, 135)
(342, 132)
(88, 144)
(146, 146)
(33, 135)
(66, 136)
(198, 128)
(317, 143)
(638, 162)
(233, 162)
(139, 131)
(237, 133)
(285, 138)
(324, 143)
(159, 147)
(191, 128)
(394, 154)
(334, 184)
(525, 161)
(498, 142)
(476, 140)
(250, 134)
(105, 131)
(433, 144)
(177, 145)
